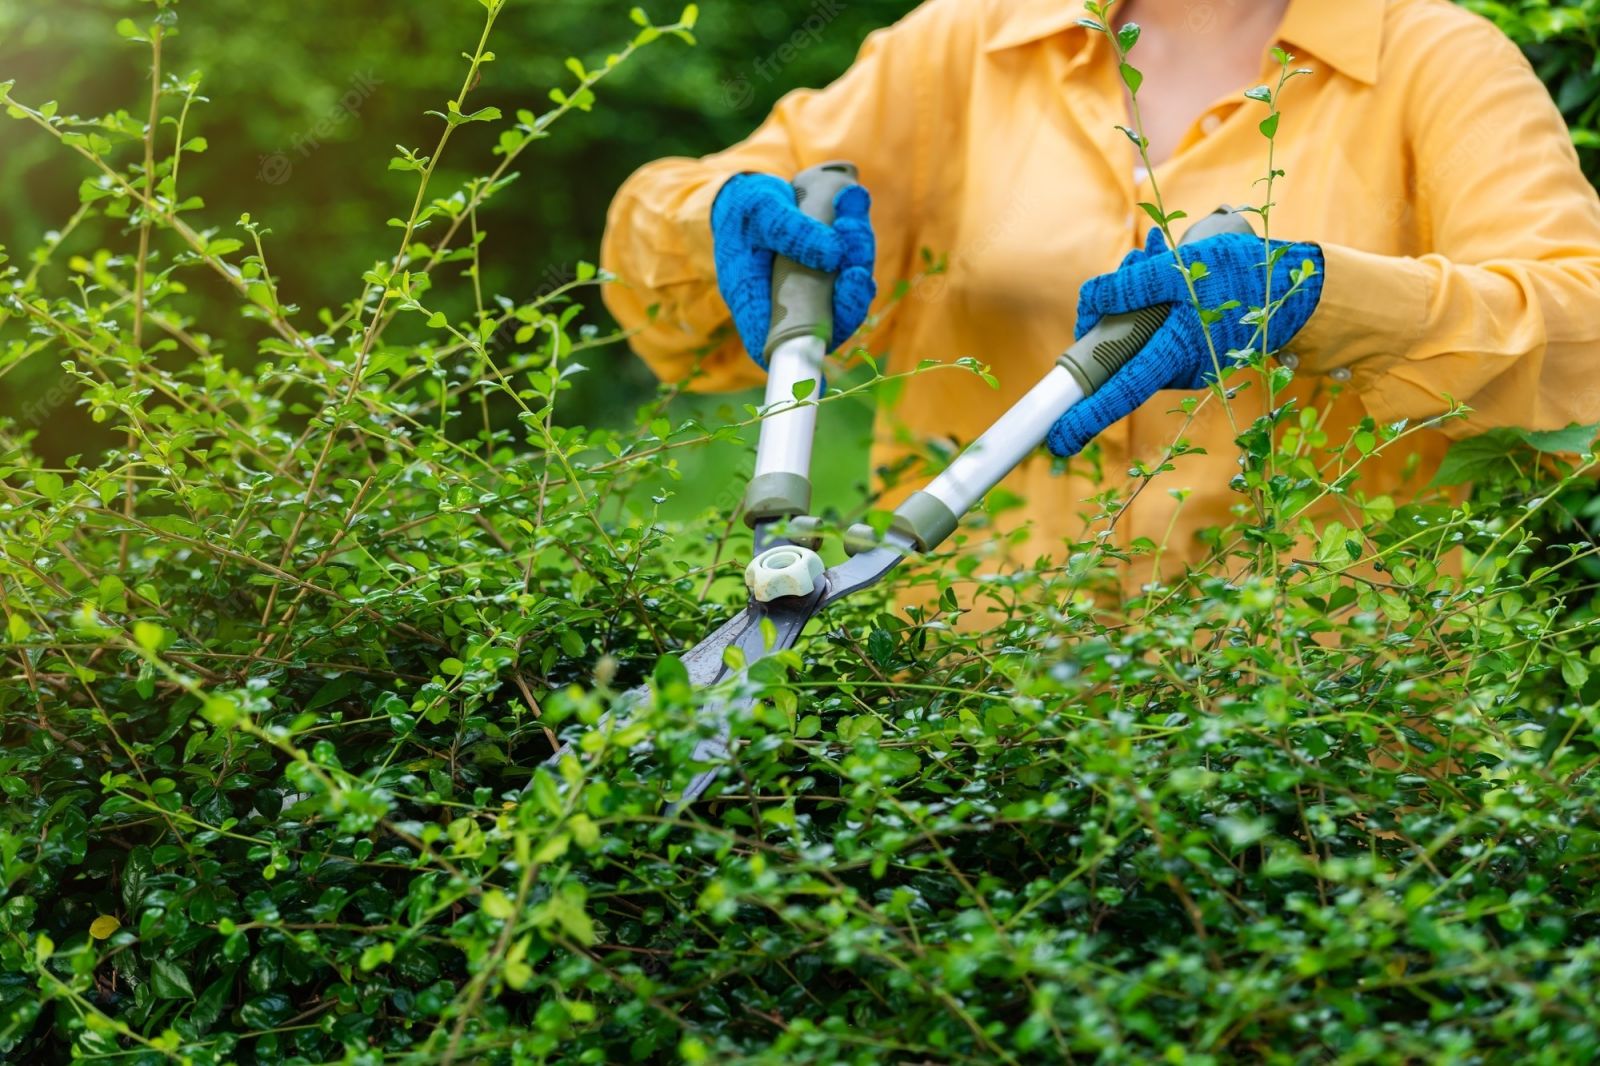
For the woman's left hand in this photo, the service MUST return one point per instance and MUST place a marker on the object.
(1230, 275)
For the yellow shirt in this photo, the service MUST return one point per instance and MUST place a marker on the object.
(1462, 241)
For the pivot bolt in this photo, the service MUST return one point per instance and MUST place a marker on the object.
(786, 570)
(805, 531)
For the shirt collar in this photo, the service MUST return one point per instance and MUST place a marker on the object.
(1013, 23)
(1347, 34)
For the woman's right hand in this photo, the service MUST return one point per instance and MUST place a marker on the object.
(755, 219)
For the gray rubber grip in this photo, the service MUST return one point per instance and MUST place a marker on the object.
(802, 299)
(1224, 219)
(776, 495)
(1115, 339)
(925, 521)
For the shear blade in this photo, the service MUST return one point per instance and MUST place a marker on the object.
(758, 631)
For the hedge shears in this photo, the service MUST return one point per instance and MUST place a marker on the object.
(788, 583)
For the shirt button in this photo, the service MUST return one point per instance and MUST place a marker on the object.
(1210, 123)
(1290, 360)
(1340, 374)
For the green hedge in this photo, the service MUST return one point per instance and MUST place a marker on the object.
(280, 664)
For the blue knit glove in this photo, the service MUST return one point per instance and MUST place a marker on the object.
(755, 218)
(1177, 356)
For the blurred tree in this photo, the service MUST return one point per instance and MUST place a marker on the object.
(305, 104)
(307, 101)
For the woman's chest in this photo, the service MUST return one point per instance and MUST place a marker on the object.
(1049, 193)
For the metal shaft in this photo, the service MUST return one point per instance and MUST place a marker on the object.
(802, 320)
(1009, 441)
(785, 445)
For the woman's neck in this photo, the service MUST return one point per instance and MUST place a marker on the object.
(1195, 52)
(1200, 18)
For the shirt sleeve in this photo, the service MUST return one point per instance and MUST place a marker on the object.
(1503, 315)
(879, 115)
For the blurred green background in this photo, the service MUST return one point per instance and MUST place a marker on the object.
(307, 100)
(276, 72)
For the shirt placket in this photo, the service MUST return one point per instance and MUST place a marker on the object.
(1097, 103)
(1093, 95)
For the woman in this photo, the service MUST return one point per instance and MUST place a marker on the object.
(1428, 176)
